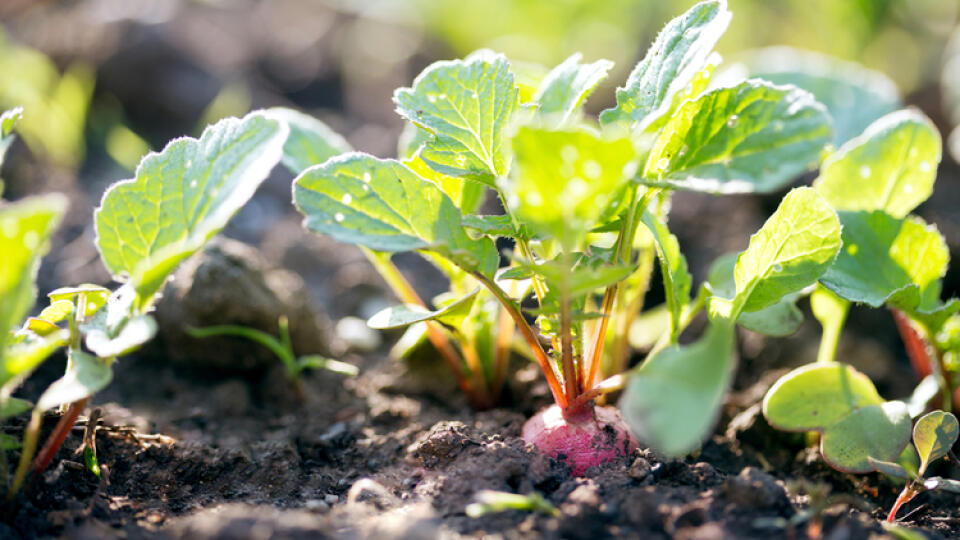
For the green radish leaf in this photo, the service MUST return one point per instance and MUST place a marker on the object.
(934, 435)
(383, 205)
(57, 311)
(673, 400)
(21, 358)
(310, 141)
(8, 120)
(750, 137)
(910, 461)
(889, 468)
(886, 259)
(877, 431)
(183, 196)
(566, 87)
(854, 95)
(790, 252)
(129, 337)
(583, 275)
(528, 76)
(946, 484)
(405, 315)
(679, 53)
(891, 167)
(25, 229)
(491, 225)
(8, 442)
(466, 105)
(467, 195)
(95, 297)
(922, 394)
(780, 319)
(88, 376)
(817, 396)
(676, 278)
(14, 407)
(563, 181)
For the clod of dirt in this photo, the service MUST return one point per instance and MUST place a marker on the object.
(444, 441)
(231, 283)
(755, 489)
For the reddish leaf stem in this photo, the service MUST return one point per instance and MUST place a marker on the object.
(56, 438)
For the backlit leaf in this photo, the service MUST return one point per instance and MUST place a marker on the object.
(466, 105)
(750, 137)
(934, 435)
(405, 315)
(891, 167)
(383, 205)
(790, 252)
(88, 376)
(183, 196)
(673, 266)
(567, 86)
(680, 52)
(877, 431)
(780, 319)
(816, 396)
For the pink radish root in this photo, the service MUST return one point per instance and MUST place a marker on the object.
(590, 438)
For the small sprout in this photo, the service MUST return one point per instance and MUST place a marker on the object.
(282, 348)
(934, 435)
(491, 502)
(89, 446)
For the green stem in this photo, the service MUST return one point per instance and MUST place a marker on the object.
(830, 338)
(30, 437)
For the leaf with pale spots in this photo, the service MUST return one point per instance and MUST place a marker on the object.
(466, 105)
(183, 196)
(890, 167)
(750, 137)
(383, 205)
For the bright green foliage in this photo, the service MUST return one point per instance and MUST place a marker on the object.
(854, 95)
(466, 105)
(679, 53)
(8, 120)
(934, 435)
(890, 167)
(874, 430)
(563, 181)
(451, 314)
(383, 205)
(25, 229)
(674, 398)
(183, 196)
(780, 319)
(792, 249)
(566, 87)
(818, 395)
(310, 141)
(88, 376)
(842, 403)
(676, 278)
(886, 259)
(750, 137)
(492, 502)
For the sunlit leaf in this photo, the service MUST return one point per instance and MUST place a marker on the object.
(750, 137)
(891, 167)
(790, 252)
(680, 52)
(816, 396)
(310, 141)
(673, 266)
(405, 315)
(934, 435)
(780, 319)
(383, 205)
(88, 376)
(877, 431)
(567, 86)
(182, 197)
(466, 105)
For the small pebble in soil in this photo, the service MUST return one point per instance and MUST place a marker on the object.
(331, 499)
(753, 488)
(640, 470)
(316, 505)
(357, 335)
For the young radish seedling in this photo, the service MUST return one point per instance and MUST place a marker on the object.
(933, 436)
(179, 199)
(282, 348)
(586, 211)
(888, 259)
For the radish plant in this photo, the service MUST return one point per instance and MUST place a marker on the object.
(585, 207)
(179, 199)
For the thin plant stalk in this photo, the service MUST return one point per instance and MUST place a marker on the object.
(30, 437)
